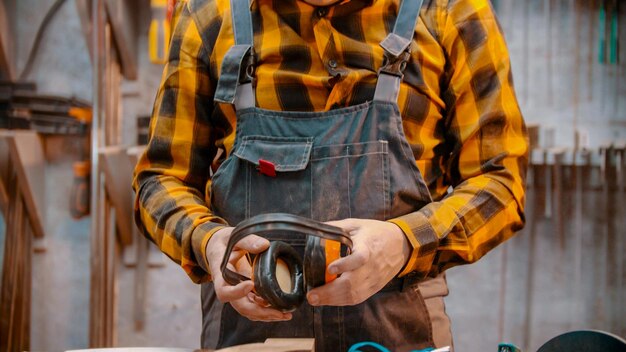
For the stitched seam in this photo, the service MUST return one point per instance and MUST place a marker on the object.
(311, 192)
(316, 115)
(248, 190)
(349, 190)
(350, 144)
(306, 152)
(279, 140)
(384, 190)
(242, 149)
(347, 156)
(429, 321)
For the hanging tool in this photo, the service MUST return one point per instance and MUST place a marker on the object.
(619, 312)
(558, 155)
(613, 36)
(160, 30)
(79, 194)
(577, 69)
(609, 47)
(25, 109)
(605, 241)
(614, 53)
(535, 201)
(602, 33)
(581, 163)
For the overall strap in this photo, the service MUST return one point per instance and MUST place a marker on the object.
(397, 51)
(235, 83)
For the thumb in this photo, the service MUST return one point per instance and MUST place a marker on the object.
(347, 225)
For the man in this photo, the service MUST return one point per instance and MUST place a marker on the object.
(404, 131)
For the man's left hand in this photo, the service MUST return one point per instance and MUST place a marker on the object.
(380, 250)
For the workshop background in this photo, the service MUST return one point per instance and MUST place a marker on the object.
(78, 79)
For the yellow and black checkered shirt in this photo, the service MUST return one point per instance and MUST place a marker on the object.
(457, 101)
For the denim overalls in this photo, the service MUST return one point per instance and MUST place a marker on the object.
(353, 162)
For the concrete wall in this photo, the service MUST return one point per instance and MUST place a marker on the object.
(559, 81)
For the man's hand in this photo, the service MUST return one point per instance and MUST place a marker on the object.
(380, 250)
(240, 296)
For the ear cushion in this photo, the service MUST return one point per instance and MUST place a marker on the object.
(266, 283)
(314, 263)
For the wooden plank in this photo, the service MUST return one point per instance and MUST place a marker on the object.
(118, 178)
(24, 327)
(274, 345)
(27, 156)
(4, 174)
(7, 66)
(15, 294)
(123, 18)
(270, 345)
(8, 276)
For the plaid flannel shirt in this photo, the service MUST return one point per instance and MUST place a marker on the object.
(459, 110)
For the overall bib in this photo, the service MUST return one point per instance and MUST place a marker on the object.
(353, 162)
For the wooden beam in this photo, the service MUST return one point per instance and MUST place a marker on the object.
(117, 182)
(83, 7)
(7, 67)
(123, 17)
(27, 157)
(4, 176)
(16, 275)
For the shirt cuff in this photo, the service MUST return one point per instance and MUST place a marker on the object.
(199, 239)
(423, 239)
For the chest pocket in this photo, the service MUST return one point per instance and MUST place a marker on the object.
(263, 175)
(351, 180)
(268, 174)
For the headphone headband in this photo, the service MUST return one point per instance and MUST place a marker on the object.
(265, 224)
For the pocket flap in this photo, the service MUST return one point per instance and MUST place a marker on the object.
(285, 153)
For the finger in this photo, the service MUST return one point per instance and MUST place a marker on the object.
(253, 244)
(255, 312)
(235, 255)
(254, 298)
(227, 293)
(349, 225)
(357, 259)
(340, 292)
(244, 267)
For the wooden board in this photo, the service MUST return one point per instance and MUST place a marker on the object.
(122, 16)
(27, 156)
(270, 345)
(16, 274)
(274, 345)
(4, 174)
(7, 67)
(118, 184)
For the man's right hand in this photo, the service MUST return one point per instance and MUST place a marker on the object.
(240, 296)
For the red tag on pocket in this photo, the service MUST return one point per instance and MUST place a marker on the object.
(267, 168)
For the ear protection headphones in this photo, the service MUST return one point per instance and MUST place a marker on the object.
(325, 244)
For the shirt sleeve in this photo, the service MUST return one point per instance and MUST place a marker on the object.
(486, 135)
(171, 175)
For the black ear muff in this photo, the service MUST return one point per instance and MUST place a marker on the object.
(318, 255)
(283, 293)
(314, 263)
(325, 244)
